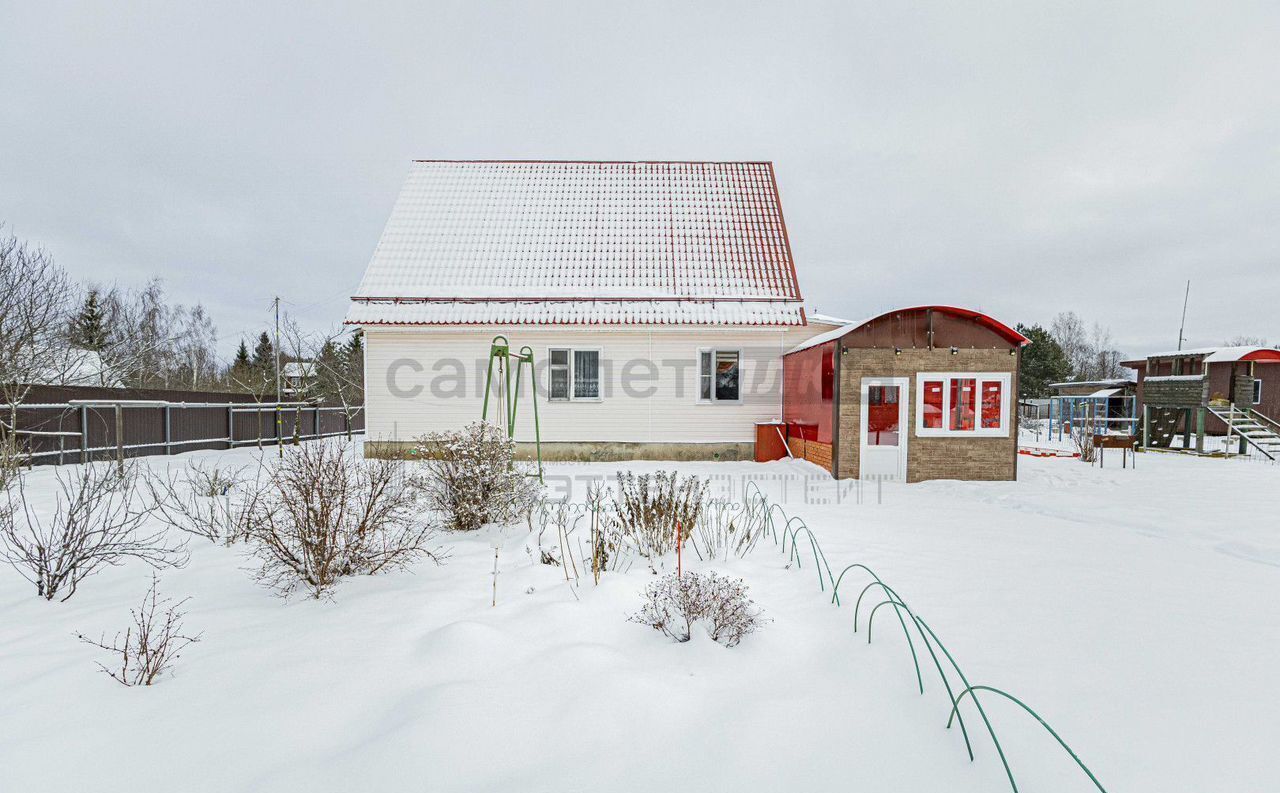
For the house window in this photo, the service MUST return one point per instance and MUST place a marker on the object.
(719, 375)
(573, 374)
(973, 404)
(1257, 392)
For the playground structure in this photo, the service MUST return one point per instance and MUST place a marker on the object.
(508, 392)
(1099, 413)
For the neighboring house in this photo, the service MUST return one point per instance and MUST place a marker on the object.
(297, 377)
(78, 367)
(657, 298)
(1205, 391)
(919, 393)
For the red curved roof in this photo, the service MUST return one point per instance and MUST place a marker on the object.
(1004, 331)
(1264, 354)
(999, 328)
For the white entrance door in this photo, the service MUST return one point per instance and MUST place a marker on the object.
(882, 446)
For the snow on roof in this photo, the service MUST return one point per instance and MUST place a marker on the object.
(1223, 354)
(826, 319)
(1105, 392)
(545, 231)
(576, 312)
(1109, 383)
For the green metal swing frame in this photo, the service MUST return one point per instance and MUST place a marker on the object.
(500, 352)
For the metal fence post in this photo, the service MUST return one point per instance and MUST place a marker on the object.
(84, 435)
(168, 431)
(231, 434)
(119, 438)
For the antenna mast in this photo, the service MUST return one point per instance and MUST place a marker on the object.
(1183, 326)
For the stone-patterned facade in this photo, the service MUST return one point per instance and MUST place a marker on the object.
(947, 457)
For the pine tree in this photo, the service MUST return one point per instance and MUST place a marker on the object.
(88, 327)
(1043, 362)
(242, 356)
(353, 357)
(264, 354)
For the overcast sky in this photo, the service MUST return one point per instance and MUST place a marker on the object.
(1023, 159)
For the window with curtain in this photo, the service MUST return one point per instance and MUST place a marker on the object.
(586, 374)
(573, 374)
(719, 375)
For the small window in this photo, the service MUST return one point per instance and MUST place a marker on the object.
(962, 398)
(1257, 392)
(933, 410)
(991, 403)
(719, 375)
(573, 374)
(559, 375)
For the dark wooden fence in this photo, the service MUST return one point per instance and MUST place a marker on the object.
(64, 424)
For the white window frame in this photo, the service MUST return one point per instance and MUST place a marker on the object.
(570, 352)
(1003, 431)
(698, 380)
(1257, 391)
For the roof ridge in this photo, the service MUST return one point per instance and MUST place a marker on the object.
(596, 162)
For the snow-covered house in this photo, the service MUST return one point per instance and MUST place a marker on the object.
(657, 298)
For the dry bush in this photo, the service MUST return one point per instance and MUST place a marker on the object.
(673, 604)
(199, 502)
(96, 522)
(149, 646)
(648, 507)
(321, 513)
(212, 480)
(1082, 438)
(726, 528)
(471, 478)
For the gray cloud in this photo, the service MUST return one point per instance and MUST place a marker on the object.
(1021, 158)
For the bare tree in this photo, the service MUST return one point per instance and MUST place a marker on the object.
(1068, 330)
(322, 514)
(1246, 341)
(35, 299)
(96, 522)
(149, 646)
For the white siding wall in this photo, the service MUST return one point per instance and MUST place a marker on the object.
(412, 388)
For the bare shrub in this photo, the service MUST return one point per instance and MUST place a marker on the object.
(199, 502)
(212, 480)
(648, 508)
(673, 604)
(96, 522)
(149, 646)
(1082, 439)
(322, 513)
(726, 528)
(471, 478)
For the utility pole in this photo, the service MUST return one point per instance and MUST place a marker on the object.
(1183, 326)
(279, 425)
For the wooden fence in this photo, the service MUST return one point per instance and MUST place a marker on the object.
(65, 424)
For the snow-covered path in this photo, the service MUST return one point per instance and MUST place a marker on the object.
(1133, 609)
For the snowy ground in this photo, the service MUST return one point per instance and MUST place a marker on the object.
(1134, 609)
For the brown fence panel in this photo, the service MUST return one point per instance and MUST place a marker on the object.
(51, 430)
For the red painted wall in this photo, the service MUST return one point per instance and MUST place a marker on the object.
(808, 379)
